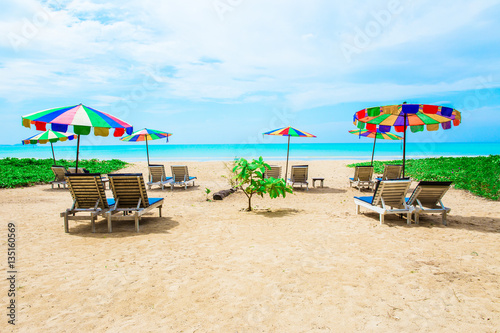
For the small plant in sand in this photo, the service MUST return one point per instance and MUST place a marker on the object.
(250, 178)
(229, 166)
(207, 192)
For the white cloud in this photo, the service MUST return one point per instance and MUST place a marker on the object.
(279, 47)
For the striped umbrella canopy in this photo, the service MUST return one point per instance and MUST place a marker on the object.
(49, 136)
(82, 118)
(416, 116)
(146, 134)
(375, 136)
(289, 131)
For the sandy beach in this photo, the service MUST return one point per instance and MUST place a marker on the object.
(306, 263)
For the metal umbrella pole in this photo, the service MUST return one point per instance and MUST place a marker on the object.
(77, 151)
(373, 152)
(287, 154)
(53, 155)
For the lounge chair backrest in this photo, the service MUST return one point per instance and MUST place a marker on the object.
(127, 189)
(156, 173)
(59, 172)
(86, 189)
(429, 193)
(299, 173)
(274, 172)
(392, 171)
(392, 191)
(363, 173)
(180, 173)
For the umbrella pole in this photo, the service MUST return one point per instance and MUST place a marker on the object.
(373, 152)
(287, 154)
(147, 148)
(404, 145)
(77, 151)
(53, 155)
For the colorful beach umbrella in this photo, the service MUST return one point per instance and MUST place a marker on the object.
(146, 134)
(375, 136)
(416, 116)
(49, 136)
(82, 118)
(289, 131)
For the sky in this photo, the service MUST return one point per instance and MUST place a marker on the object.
(225, 71)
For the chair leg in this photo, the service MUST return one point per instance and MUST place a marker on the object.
(358, 209)
(159, 210)
(92, 222)
(408, 218)
(110, 228)
(137, 222)
(417, 218)
(66, 227)
(444, 218)
(381, 218)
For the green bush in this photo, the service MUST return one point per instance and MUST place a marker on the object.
(29, 171)
(478, 175)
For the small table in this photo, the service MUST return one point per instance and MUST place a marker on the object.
(320, 179)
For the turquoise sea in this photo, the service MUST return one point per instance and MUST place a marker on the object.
(213, 152)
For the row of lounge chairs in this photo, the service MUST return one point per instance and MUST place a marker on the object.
(390, 191)
(180, 176)
(298, 174)
(363, 175)
(129, 197)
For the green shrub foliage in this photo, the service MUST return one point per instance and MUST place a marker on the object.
(250, 178)
(29, 171)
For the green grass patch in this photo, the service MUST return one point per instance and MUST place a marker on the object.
(30, 171)
(478, 175)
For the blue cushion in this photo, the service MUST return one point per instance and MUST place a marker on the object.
(191, 178)
(111, 202)
(154, 200)
(368, 199)
(379, 179)
(351, 179)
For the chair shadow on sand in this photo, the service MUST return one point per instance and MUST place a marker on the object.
(473, 223)
(320, 190)
(148, 225)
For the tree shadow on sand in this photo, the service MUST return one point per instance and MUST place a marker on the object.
(124, 228)
(274, 213)
(472, 223)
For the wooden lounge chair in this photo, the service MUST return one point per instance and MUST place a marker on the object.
(131, 198)
(362, 177)
(388, 198)
(83, 170)
(157, 176)
(59, 173)
(299, 175)
(427, 199)
(274, 172)
(87, 190)
(180, 176)
(391, 171)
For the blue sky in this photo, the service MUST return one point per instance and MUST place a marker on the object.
(225, 71)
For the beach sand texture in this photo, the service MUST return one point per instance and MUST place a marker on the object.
(306, 263)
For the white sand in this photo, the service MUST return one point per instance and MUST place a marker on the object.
(306, 263)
